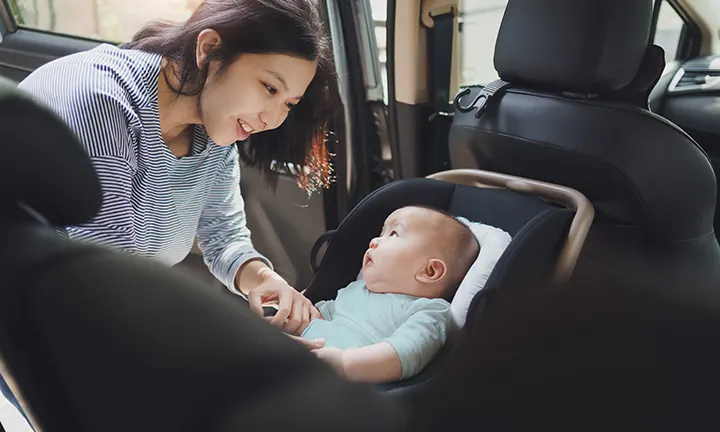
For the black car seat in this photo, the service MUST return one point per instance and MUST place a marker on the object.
(93, 340)
(546, 239)
(571, 108)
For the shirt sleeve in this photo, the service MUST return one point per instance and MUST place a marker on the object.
(223, 236)
(326, 308)
(422, 335)
(100, 121)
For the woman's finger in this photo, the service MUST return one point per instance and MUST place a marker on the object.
(295, 320)
(285, 305)
(255, 299)
(311, 344)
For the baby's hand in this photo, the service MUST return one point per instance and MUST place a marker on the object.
(332, 356)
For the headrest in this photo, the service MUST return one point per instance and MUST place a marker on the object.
(582, 46)
(638, 91)
(44, 166)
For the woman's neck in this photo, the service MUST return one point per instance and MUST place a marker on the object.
(177, 112)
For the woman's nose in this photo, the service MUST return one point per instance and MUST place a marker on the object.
(264, 118)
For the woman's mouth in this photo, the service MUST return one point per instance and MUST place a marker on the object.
(244, 130)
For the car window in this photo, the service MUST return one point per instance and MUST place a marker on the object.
(379, 14)
(109, 20)
(669, 30)
(479, 27)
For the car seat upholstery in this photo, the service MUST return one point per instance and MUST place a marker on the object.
(538, 231)
(575, 113)
(96, 340)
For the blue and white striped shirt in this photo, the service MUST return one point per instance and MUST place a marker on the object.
(154, 204)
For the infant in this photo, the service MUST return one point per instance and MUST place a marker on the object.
(390, 325)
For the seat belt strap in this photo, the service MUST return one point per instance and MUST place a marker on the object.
(440, 43)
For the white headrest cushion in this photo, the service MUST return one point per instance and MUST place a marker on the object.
(493, 242)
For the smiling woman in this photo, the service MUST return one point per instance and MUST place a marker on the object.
(165, 118)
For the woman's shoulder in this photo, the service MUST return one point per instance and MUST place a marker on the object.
(100, 75)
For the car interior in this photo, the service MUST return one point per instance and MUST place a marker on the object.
(585, 129)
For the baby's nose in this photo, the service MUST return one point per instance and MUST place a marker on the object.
(374, 243)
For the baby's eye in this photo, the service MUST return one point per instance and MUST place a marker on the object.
(393, 233)
(272, 90)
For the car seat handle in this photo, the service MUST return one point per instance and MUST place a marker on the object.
(324, 238)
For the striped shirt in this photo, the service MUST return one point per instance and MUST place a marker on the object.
(154, 204)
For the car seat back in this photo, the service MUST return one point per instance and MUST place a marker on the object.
(570, 113)
(95, 340)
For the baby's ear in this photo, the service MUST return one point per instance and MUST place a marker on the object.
(433, 271)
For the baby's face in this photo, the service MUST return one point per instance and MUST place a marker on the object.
(403, 249)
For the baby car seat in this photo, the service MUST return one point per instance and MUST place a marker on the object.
(547, 223)
(94, 340)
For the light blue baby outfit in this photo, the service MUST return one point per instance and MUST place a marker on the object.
(415, 327)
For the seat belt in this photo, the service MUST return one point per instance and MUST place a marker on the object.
(440, 43)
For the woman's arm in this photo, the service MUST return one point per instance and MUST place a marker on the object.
(228, 251)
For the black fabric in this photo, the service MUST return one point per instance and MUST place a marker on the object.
(43, 165)
(100, 341)
(583, 46)
(538, 229)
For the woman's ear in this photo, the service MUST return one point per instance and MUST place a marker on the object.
(207, 41)
(433, 271)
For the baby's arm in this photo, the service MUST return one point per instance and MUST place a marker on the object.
(372, 363)
(402, 355)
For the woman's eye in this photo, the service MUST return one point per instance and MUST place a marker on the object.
(290, 106)
(272, 90)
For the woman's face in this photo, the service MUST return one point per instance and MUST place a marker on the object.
(253, 94)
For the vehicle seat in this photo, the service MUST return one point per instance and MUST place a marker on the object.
(539, 230)
(95, 340)
(571, 116)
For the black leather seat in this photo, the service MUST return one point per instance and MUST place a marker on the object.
(574, 115)
(99, 341)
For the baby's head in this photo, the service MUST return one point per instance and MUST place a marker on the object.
(420, 252)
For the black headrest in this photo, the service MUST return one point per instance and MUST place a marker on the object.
(43, 164)
(583, 46)
(638, 91)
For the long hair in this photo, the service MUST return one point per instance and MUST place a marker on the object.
(289, 27)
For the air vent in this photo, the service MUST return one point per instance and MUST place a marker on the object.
(695, 80)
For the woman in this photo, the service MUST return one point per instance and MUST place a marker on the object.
(160, 117)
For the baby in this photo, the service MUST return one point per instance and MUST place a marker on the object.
(389, 325)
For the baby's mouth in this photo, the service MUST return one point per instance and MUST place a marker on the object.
(367, 259)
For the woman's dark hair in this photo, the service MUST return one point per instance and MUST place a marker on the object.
(290, 27)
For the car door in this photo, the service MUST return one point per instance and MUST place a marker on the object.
(284, 223)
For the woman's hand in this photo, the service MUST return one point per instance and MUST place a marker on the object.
(294, 309)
